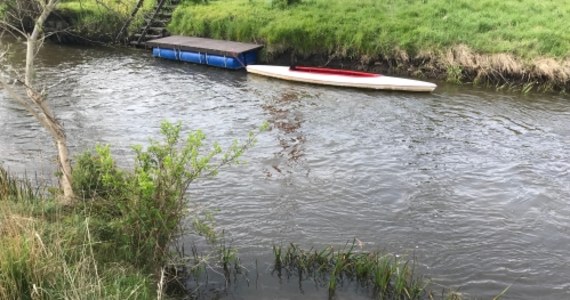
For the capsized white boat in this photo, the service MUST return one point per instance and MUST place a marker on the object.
(343, 78)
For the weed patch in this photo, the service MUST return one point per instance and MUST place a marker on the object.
(387, 276)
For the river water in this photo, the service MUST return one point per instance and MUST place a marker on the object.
(473, 183)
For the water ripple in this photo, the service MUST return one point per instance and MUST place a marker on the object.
(473, 183)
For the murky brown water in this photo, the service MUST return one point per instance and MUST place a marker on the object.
(474, 183)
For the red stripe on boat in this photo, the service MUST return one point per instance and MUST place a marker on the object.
(329, 71)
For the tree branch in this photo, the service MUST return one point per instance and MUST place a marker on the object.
(12, 27)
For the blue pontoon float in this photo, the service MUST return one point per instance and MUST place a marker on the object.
(217, 53)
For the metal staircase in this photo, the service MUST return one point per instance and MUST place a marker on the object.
(155, 23)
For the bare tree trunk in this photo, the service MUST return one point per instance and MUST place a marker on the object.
(37, 105)
(53, 124)
(33, 39)
(65, 166)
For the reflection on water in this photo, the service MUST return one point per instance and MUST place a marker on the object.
(288, 120)
(472, 182)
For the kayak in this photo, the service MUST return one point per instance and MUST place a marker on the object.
(342, 78)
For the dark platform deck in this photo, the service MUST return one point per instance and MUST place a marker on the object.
(196, 44)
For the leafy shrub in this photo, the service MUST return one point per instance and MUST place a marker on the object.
(96, 175)
(138, 213)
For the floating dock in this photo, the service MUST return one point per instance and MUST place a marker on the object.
(217, 53)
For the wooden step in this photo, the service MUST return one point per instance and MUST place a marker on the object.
(157, 29)
(162, 22)
(169, 7)
(148, 36)
(137, 44)
(164, 15)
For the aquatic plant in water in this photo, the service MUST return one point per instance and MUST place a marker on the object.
(387, 276)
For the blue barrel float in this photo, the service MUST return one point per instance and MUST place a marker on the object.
(216, 53)
(227, 62)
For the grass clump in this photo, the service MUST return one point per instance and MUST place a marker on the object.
(14, 189)
(387, 276)
(46, 253)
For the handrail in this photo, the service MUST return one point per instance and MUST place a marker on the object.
(129, 20)
(149, 23)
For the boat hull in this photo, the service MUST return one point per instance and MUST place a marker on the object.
(326, 77)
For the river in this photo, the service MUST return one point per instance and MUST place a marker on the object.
(473, 183)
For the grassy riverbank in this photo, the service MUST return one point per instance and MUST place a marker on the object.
(498, 42)
(48, 251)
(520, 44)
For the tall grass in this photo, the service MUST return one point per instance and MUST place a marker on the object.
(101, 19)
(525, 28)
(495, 42)
(46, 253)
(16, 189)
(388, 276)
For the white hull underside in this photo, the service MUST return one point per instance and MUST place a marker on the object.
(379, 83)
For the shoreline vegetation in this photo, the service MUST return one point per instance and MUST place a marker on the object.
(513, 44)
(119, 240)
(518, 44)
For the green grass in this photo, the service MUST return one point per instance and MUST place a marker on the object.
(382, 275)
(525, 28)
(386, 275)
(519, 44)
(523, 44)
(101, 19)
(46, 253)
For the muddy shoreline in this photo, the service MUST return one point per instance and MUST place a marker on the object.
(458, 65)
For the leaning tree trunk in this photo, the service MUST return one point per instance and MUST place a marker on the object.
(44, 114)
(65, 167)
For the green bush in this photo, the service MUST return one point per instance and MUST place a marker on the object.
(137, 213)
(96, 175)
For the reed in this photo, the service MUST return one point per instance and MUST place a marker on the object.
(16, 189)
(387, 276)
